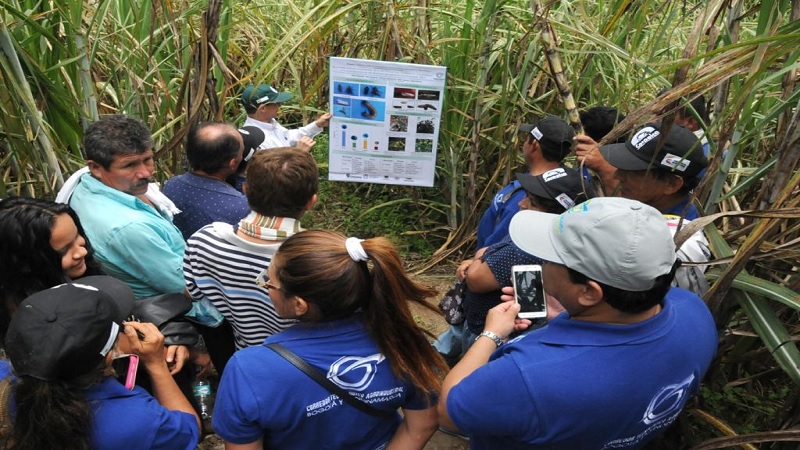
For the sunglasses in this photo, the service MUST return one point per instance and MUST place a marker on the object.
(263, 280)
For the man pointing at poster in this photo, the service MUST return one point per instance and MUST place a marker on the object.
(262, 104)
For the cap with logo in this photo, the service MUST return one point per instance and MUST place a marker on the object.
(66, 331)
(561, 184)
(252, 137)
(553, 134)
(255, 96)
(681, 152)
(619, 242)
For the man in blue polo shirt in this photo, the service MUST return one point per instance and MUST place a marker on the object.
(214, 151)
(612, 371)
(547, 143)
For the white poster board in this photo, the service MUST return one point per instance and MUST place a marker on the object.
(385, 124)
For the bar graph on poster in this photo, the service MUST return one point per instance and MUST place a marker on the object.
(385, 124)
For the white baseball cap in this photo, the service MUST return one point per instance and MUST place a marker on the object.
(619, 242)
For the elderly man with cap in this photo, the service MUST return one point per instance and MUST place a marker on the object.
(61, 343)
(262, 103)
(613, 370)
(661, 171)
(214, 151)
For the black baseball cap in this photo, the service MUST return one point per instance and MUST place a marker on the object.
(682, 151)
(252, 137)
(561, 184)
(66, 331)
(553, 134)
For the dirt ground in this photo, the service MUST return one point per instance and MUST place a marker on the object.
(427, 320)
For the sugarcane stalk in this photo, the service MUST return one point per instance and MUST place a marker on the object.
(549, 40)
(33, 115)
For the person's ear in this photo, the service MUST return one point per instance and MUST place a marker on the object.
(673, 184)
(233, 164)
(301, 307)
(311, 203)
(94, 168)
(591, 294)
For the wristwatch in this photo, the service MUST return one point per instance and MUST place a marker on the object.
(498, 341)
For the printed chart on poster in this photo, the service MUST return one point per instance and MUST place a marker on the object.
(385, 124)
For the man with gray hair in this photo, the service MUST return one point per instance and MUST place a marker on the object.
(628, 351)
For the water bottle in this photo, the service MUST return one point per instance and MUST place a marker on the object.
(205, 400)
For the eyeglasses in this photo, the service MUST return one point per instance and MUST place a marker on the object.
(263, 280)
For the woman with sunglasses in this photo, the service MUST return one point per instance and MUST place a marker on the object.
(355, 329)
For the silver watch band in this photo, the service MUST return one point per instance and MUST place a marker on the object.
(498, 341)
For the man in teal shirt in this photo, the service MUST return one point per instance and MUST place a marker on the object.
(133, 239)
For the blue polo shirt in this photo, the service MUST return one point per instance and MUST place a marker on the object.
(133, 241)
(133, 420)
(494, 223)
(203, 200)
(677, 210)
(575, 384)
(262, 394)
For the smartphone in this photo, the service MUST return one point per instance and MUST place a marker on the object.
(528, 291)
(125, 367)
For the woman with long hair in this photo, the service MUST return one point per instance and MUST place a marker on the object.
(42, 244)
(356, 329)
(60, 385)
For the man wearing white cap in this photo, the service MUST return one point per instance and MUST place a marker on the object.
(612, 371)
(262, 103)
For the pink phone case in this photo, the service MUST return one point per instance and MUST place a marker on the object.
(130, 377)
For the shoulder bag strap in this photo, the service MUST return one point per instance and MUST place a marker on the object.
(323, 381)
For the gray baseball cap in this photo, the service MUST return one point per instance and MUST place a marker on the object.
(619, 242)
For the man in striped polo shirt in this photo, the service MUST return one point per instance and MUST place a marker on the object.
(223, 261)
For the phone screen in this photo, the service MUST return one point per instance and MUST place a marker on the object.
(529, 292)
(125, 367)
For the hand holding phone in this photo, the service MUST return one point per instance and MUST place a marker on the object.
(528, 291)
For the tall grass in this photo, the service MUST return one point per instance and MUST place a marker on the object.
(172, 63)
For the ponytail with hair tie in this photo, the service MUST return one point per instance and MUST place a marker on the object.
(355, 249)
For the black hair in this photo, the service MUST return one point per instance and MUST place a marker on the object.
(598, 121)
(632, 302)
(689, 182)
(698, 104)
(551, 154)
(547, 205)
(115, 135)
(52, 414)
(28, 263)
(211, 145)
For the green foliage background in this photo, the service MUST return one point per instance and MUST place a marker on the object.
(172, 63)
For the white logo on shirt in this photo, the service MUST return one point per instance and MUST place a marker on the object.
(347, 364)
(668, 401)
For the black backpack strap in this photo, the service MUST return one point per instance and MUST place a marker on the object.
(323, 381)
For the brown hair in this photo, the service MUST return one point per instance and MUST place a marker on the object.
(315, 266)
(281, 181)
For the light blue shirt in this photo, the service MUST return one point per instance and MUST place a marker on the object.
(133, 241)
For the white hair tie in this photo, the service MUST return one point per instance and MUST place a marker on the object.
(355, 250)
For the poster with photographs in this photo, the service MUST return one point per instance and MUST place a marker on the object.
(386, 119)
